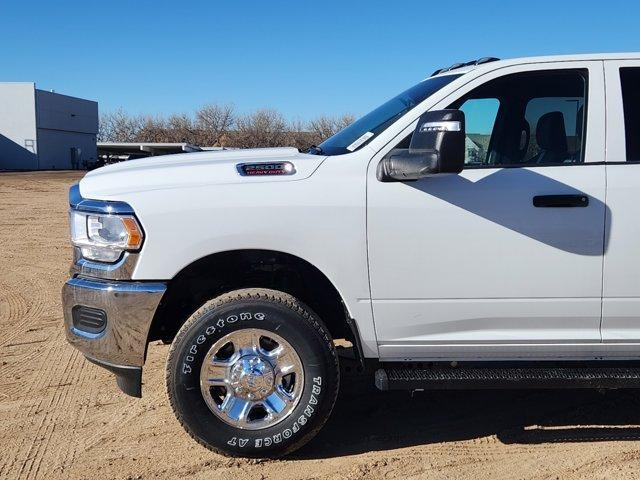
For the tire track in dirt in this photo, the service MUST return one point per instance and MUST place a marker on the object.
(13, 310)
(47, 367)
(58, 400)
(26, 333)
(40, 399)
(58, 365)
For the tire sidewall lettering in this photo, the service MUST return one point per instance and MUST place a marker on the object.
(187, 369)
(291, 430)
(223, 319)
(288, 431)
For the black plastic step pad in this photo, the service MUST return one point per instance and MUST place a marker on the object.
(410, 379)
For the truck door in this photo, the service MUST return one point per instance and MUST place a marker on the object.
(621, 286)
(505, 259)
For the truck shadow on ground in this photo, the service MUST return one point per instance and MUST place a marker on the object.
(365, 419)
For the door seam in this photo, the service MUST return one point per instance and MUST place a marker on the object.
(606, 208)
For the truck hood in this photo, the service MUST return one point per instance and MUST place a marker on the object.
(192, 170)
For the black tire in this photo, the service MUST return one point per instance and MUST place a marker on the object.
(269, 310)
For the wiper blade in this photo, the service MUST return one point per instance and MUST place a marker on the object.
(315, 149)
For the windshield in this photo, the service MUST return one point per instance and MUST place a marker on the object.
(363, 130)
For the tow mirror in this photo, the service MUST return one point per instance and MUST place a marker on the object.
(437, 146)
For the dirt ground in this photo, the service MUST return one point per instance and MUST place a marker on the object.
(63, 418)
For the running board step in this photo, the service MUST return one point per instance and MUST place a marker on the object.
(482, 377)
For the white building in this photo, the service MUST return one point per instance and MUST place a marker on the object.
(42, 130)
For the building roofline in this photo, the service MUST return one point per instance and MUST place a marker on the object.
(48, 92)
(19, 83)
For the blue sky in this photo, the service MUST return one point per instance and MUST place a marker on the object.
(304, 58)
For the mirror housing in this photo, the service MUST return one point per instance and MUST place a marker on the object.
(437, 146)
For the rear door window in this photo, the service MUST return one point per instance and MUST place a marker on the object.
(630, 79)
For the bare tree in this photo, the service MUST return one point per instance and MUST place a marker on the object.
(263, 128)
(181, 128)
(118, 126)
(217, 125)
(323, 127)
(344, 121)
(214, 123)
(153, 130)
(298, 134)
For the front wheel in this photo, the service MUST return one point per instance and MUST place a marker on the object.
(253, 373)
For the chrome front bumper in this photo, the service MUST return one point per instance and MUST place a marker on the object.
(129, 308)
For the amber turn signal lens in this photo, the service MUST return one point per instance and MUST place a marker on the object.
(135, 235)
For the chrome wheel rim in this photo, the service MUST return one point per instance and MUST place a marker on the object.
(251, 379)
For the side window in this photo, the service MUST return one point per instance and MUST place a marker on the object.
(563, 113)
(526, 119)
(480, 117)
(630, 78)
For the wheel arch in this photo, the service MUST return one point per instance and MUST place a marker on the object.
(222, 272)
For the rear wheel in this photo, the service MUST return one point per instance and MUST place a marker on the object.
(253, 373)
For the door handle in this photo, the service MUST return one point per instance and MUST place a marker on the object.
(560, 201)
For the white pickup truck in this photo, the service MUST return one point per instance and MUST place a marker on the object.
(479, 230)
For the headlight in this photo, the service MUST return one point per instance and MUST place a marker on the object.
(104, 237)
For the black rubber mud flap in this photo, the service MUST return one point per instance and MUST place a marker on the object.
(129, 379)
